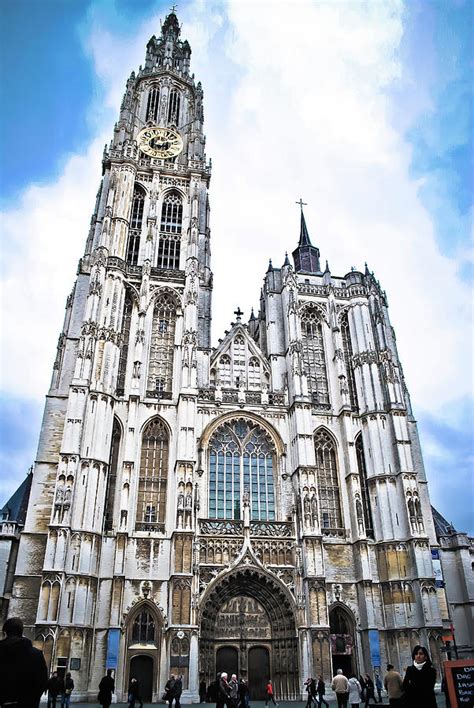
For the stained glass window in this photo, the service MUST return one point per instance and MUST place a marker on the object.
(314, 356)
(328, 482)
(153, 475)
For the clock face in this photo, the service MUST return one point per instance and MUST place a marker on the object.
(159, 142)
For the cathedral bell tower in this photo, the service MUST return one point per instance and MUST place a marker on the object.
(102, 536)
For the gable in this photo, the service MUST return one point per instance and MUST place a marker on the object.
(238, 362)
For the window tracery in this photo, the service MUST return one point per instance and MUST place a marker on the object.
(153, 104)
(241, 462)
(347, 353)
(328, 481)
(136, 220)
(143, 628)
(160, 367)
(174, 106)
(125, 329)
(364, 488)
(112, 476)
(153, 475)
(170, 232)
(314, 356)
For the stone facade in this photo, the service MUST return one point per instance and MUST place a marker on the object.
(261, 506)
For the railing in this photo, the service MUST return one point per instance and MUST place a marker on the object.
(217, 527)
(278, 529)
(155, 527)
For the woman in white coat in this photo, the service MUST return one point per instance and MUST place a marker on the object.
(355, 692)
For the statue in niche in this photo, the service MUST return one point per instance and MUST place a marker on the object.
(314, 509)
(306, 504)
(67, 497)
(60, 495)
(189, 501)
(180, 500)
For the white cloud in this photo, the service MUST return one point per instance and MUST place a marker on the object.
(297, 104)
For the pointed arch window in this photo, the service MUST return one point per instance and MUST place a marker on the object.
(328, 481)
(239, 367)
(364, 488)
(254, 373)
(153, 104)
(174, 106)
(125, 329)
(136, 220)
(347, 353)
(112, 476)
(153, 476)
(224, 370)
(160, 366)
(170, 232)
(143, 629)
(314, 357)
(241, 461)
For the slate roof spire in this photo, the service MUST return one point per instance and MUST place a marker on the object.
(306, 256)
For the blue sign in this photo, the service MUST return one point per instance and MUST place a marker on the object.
(375, 647)
(113, 648)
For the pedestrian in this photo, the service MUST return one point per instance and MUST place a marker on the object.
(363, 686)
(178, 689)
(320, 691)
(134, 693)
(444, 689)
(55, 689)
(106, 688)
(341, 686)
(223, 691)
(68, 689)
(244, 694)
(269, 695)
(23, 671)
(378, 687)
(419, 680)
(202, 691)
(234, 692)
(355, 691)
(310, 685)
(393, 683)
(369, 690)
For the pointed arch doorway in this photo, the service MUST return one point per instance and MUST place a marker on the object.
(248, 628)
(342, 636)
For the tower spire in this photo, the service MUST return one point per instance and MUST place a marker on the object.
(305, 256)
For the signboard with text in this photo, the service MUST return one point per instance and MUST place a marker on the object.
(460, 680)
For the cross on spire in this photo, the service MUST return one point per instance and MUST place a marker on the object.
(301, 203)
(238, 313)
(173, 8)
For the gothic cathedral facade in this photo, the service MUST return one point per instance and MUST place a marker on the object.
(260, 506)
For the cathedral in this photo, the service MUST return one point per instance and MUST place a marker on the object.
(259, 507)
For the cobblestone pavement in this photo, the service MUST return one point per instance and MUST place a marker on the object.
(254, 704)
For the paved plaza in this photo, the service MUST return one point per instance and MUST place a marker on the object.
(261, 704)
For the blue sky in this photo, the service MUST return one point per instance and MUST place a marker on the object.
(377, 97)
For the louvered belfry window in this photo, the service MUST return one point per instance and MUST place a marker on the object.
(160, 363)
(170, 232)
(136, 220)
(314, 356)
(153, 104)
(153, 475)
(347, 352)
(328, 481)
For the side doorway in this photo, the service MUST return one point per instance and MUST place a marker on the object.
(141, 668)
(259, 672)
(227, 659)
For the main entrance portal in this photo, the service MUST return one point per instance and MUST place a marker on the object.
(248, 628)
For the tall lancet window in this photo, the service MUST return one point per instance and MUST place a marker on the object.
(126, 322)
(160, 366)
(347, 352)
(112, 476)
(170, 232)
(136, 220)
(364, 488)
(314, 356)
(153, 475)
(328, 481)
(173, 107)
(153, 104)
(241, 461)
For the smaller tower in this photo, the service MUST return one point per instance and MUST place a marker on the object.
(305, 256)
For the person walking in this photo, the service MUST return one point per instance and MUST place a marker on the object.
(310, 685)
(320, 691)
(363, 687)
(393, 684)
(68, 689)
(419, 680)
(134, 693)
(244, 694)
(341, 687)
(202, 691)
(106, 688)
(355, 691)
(55, 689)
(223, 691)
(378, 687)
(234, 692)
(369, 690)
(23, 670)
(269, 695)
